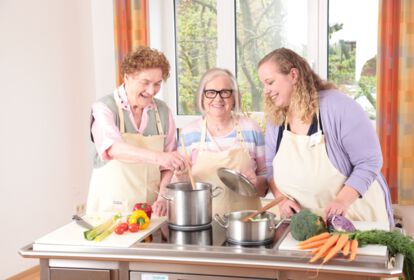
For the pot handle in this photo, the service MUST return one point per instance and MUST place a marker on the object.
(278, 224)
(220, 221)
(219, 189)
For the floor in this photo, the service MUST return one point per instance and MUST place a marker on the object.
(30, 274)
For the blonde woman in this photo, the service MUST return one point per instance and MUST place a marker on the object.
(321, 149)
(224, 138)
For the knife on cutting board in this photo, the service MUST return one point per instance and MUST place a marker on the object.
(82, 222)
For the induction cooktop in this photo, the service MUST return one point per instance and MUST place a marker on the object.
(210, 235)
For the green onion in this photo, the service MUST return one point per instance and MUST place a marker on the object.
(96, 231)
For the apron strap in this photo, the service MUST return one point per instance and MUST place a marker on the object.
(203, 134)
(317, 120)
(120, 112)
(239, 133)
(158, 119)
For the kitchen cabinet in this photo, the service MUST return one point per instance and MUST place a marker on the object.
(84, 274)
(171, 276)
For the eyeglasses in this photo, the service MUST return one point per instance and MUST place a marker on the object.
(212, 93)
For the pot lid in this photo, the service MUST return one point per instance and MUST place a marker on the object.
(236, 182)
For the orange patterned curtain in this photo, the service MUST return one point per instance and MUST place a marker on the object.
(405, 143)
(130, 23)
(396, 97)
(389, 26)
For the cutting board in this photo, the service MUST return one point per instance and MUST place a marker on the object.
(291, 244)
(72, 234)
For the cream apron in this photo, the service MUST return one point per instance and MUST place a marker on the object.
(303, 171)
(117, 186)
(205, 170)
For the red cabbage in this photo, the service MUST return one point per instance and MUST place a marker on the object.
(339, 223)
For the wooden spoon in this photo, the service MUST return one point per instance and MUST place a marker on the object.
(264, 208)
(190, 173)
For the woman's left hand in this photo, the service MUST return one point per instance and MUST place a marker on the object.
(335, 207)
(339, 206)
(250, 175)
(160, 207)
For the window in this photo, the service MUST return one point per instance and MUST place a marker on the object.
(353, 41)
(262, 26)
(196, 44)
(197, 35)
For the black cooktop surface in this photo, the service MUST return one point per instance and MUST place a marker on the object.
(210, 235)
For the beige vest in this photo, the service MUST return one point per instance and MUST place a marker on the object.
(303, 171)
(117, 186)
(205, 170)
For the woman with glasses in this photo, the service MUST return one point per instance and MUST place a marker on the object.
(224, 138)
(321, 149)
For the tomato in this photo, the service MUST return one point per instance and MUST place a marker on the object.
(133, 227)
(119, 230)
(124, 226)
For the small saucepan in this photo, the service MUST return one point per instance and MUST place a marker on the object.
(259, 230)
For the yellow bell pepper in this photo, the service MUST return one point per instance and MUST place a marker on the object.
(139, 217)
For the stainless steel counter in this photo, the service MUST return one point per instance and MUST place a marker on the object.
(146, 260)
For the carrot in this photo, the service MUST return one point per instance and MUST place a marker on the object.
(328, 244)
(347, 246)
(327, 251)
(314, 251)
(353, 250)
(312, 245)
(343, 239)
(324, 235)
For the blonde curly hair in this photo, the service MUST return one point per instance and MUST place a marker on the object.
(145, 58)
(304, 100)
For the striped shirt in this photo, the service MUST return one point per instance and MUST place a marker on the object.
(252, 136)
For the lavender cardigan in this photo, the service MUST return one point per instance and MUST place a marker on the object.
(352, 143)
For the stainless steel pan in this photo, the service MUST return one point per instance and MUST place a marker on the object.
(257, 231)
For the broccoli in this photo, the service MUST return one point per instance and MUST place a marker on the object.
(306, 224)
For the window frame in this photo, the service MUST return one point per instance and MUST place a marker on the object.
(162, 37)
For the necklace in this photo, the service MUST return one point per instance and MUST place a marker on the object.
(216, 130)
(213, 137)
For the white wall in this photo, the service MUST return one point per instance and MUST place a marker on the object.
(47, 86)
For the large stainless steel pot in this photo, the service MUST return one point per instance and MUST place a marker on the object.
(198, 237)
(257, 231)
(188, 207)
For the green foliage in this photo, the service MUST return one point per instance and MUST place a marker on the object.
(341, 69)
(396, 242)
(260, 26)
(306, 224)
(259, 30)
(196, 31)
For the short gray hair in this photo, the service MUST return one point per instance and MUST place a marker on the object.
(211, 74)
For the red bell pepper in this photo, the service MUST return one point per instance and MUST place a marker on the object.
(146, 207)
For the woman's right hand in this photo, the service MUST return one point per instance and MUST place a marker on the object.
(288, 207)
(171, 160)
(160, 207)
